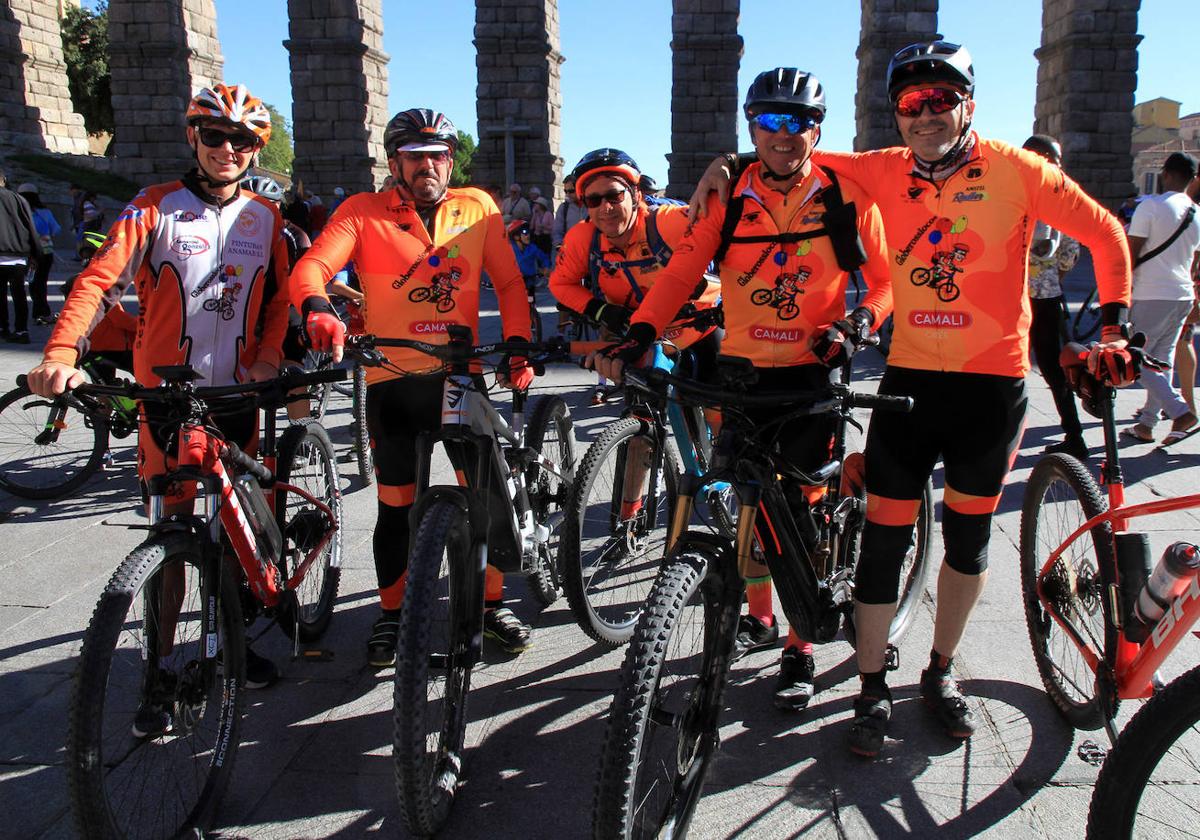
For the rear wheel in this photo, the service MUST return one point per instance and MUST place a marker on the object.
(551, 433)
(362, 440)
(433, 667)
(153, 734)
(1148, 786)
(662, 726)
(47, 448)
(1060, 497)
(609, 562)
(1087, 318)
(306, 460)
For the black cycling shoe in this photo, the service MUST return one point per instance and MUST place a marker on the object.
(502, 626)
(795, 686)
(381, 647)
(260, 671)
(153, 717)
(753, 634)
(872, 711)
(941, 694)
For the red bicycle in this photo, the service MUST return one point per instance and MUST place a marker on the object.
(158, 693)
(1101, 623)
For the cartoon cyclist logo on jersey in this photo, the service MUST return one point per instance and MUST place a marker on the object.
(947, 261)
(225, 304)
(443, 284)
(783, 296)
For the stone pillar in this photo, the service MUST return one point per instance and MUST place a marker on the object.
(887, 26)
(160, 53)
(705, 102)
(339, 94)
(1087, 75)
(518, 94)
(35, 102)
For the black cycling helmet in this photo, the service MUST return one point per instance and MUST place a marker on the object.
(611, 162)
(419, 129)
(930, 61)
(785, 90)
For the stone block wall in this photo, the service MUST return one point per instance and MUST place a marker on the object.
(706, 51)
(153, 57)
(519, 95)
(887, 26)
(35, 102)
(1087, 75)
(339, 94)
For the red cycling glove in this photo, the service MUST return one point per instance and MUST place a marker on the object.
(325, 331)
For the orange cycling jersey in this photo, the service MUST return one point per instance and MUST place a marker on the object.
(627, 274)
(416, 286)
(775, 294)
(211, 282)
(958, 251)
(115, 334)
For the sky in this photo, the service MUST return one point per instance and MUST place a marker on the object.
(616, 81)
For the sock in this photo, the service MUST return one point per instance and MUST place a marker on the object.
(794, 641)
(938, 663)
(874, 682)
(758, 596)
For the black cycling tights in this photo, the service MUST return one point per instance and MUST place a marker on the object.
(973, 423)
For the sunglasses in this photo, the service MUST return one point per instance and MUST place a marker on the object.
(939, 100)
(794, 123)
(415, 157)
(214, 138)
(594, 200)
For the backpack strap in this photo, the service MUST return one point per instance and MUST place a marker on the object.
(1149, 255)
(660, 254)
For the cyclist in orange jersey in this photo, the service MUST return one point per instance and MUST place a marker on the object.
(960, 349)
(784, 277)
(418, 251)
(209, 264)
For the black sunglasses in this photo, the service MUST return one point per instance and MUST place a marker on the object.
(594, 200)
(214, 138)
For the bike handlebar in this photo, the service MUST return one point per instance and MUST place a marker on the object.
(460, 350)
(656, 381)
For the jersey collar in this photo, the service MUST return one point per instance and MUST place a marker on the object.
(192, 181)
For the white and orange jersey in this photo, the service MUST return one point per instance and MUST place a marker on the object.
(211, 282)
(417, 281)
(958, 251)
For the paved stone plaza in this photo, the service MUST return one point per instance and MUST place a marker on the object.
(315, 760)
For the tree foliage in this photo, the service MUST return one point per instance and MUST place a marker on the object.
(461, 176)
(278, 154)
(85, 50)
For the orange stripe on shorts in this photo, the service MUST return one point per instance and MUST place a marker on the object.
(966, 503)
(884, 511)
(396, 495)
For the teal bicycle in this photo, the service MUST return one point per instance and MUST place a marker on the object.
(49, 448)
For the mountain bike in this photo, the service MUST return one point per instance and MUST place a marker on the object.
(664, 720)
(154, 716)
(610, 552)
(51, 447)
(1082, 573)
(519, 477)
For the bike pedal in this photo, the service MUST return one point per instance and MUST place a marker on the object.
(891, 658)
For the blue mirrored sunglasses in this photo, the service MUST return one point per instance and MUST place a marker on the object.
(795, 123)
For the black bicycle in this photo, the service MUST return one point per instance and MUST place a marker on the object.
(663, 722)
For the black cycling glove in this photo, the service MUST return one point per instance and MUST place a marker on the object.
(836, 344)
(636, 344)
(615, 318)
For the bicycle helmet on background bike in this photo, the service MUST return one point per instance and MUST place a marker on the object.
(265, 186)
(611, 162)
(785, 90)
(928, 62)
(419, 130)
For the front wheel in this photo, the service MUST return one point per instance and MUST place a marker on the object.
(662, 726)
(1147, 787)
(1060, 497)
(610, 553)
(47, 448)
(306, 460)
(362, 439)
(154, 720)
(551, 434)
(433, 667)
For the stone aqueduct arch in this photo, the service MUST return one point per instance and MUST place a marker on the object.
(162, 50)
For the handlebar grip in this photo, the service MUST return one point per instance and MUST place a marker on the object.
(247, 464)
(881, 402)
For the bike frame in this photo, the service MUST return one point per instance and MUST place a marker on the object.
(1133, 664)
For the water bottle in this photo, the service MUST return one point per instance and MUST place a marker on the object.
(1173, 574)
(262, 521)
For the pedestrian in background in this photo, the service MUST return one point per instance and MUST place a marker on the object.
(20, 247)
(515, 206)
(47, 228)
(541, 225)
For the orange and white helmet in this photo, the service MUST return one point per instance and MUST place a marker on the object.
(232, 105)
